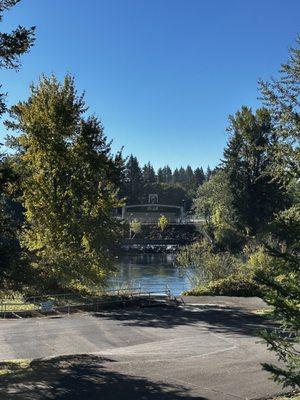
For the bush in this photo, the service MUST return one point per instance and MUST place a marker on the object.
(162, 222)
(234, 285)
(206, 264)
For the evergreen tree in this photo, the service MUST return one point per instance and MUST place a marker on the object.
(160, 175)
(149, 176)
(12, 270)
(12, 46)
(247, 159)
(175, 176)
(167, 173)
(133, 180)
(182, 176)
(69, 180)
(189, 179)
(164, 175)
(208, 173)
(199, 176)
(281, 274)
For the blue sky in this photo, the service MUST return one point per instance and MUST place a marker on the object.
(162, 75)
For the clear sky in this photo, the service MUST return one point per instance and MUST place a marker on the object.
(162, 75)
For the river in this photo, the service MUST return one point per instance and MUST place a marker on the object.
(151, 271)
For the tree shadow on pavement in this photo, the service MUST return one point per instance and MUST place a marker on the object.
(216, 319)
(84, 377)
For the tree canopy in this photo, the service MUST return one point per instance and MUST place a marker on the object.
(69, 185)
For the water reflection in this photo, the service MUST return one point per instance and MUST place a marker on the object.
(150, 270)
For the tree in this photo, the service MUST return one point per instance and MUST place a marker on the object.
(12, 270)
(247, 160)
(181, 175)
(149, 175)
(167, 174)
(133, 180)
(69, 183)
(135, 227)
(208, 173)
(164, 175)
(162, 222)
(12, 46)
(213, 201)
(175, 176)
(199, 177)
(189, 179)
(281, 276)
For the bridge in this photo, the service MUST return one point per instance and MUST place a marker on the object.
(149, 213)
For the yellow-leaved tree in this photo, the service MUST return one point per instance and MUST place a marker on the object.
(69, 182)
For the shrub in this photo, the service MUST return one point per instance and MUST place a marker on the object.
(206, 264)
(135, 226)
(234, 285)
(162, 222)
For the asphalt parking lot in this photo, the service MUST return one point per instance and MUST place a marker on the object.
(200, 351)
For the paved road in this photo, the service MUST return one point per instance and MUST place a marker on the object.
(207, 351)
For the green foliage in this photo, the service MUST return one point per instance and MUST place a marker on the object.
(213, 201)
(162, 222)
(233, 285)
(247, 160)
(135, 226)
(164, 175)
(175, 188)
(281, 275)
(132, 181)
(149, 175)
(207, 264)
(68, 182)
(12, 46)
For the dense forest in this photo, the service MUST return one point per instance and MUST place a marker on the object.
(177, 187)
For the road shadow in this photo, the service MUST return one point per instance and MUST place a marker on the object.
(216, 319)
(84, 377)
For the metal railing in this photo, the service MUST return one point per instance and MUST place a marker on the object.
(68, 301)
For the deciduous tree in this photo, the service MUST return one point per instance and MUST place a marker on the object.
(69, 186)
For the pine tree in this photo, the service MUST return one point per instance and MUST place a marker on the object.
(149, 175)
(281, 275)
(175, 176)
(167, 174)
(160, 175)
(133, 180)
(189, 179)
(69, 180)
(208, 173)
(164, 175)
(12, 46)
(182, 175)
(247, 159)
(199, 176)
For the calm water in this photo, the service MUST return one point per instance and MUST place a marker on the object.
(150, 271)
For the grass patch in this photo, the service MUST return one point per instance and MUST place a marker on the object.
(265, 312)
(20, 303)
(13, 366)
